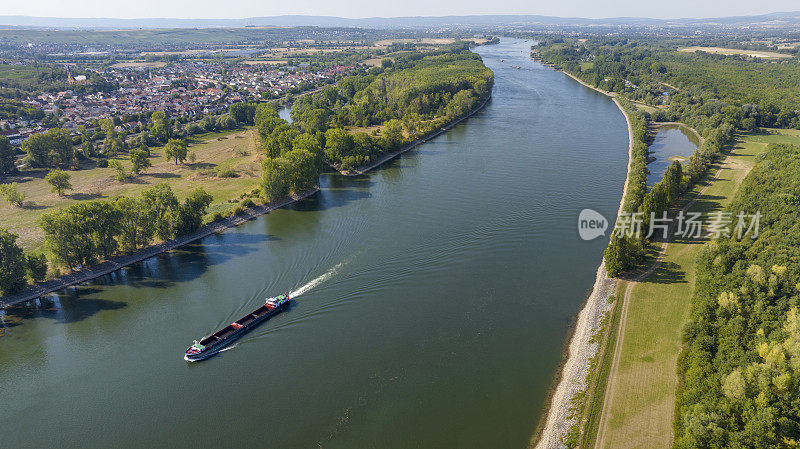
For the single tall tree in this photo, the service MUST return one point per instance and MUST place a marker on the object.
(12, 194)
(161, 126)
(140, 160)
(137, 222)
(59, 181)
(12, 264)
(7, 158)
(176, 149)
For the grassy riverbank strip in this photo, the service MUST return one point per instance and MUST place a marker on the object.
(116, 263)
(386, 157)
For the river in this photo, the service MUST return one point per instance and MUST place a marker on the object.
(438, 295)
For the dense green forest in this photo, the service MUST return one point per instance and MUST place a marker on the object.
(416, 94)
(743, 91)
(413, 95)
(740, 370)
(774, 86)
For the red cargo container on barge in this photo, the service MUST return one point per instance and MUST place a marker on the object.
(217, 341)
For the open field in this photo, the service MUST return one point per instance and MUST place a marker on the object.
(374, 62)
(289, 52)
(736, 51)
(155, 37)
(233, 149)
(11, 71)
(429, 41)
(199, 51)
(135, 64)
(645, 107)
(641, 389)
(259, 62)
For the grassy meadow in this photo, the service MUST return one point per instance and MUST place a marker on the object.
(234, 150)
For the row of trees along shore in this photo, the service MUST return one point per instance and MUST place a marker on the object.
(87, 232)
(418, 93)
(624, 252)
(739, 369)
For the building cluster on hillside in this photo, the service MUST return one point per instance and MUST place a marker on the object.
(19, 130)
(259, 81)
(182, 89)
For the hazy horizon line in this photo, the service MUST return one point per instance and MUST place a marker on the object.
(395, 17)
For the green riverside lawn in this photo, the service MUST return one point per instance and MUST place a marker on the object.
(237, 150)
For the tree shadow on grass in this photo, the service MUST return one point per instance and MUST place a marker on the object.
(84, 196)
(667, 273)
(690, 240)
(134, 180)
(736, 151)
(650, 255)
(17, 179)
(705, 204)
(202, 166)
(30, 205)
(162, 175)
(29, 175)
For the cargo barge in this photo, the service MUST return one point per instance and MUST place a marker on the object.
(217, 341)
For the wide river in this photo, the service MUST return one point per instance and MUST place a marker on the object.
(438, 293)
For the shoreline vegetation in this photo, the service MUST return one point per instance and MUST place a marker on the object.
(627, 297)
(388, 156)
(119, 262)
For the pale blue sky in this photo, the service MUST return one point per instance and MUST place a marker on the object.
(383, 8)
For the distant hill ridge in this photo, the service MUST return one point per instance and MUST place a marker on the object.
(781, 18)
